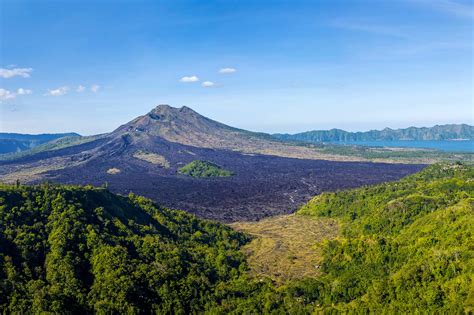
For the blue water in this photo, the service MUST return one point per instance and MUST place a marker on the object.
(448, 146)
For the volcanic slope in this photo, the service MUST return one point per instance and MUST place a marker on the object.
(144, 156)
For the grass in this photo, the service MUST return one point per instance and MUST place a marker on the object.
(152, 158)
(286, 248)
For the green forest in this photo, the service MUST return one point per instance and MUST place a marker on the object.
(405, 246)
(204, 169)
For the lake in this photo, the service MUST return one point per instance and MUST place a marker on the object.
(447, 146)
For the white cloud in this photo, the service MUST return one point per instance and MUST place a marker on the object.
(9, 95)
(95, 88)
(6, 95)
(80, 88)
(22, 91)
(20, 72)
(58, 92)
(227, 70)
(207, 84)
(189, 79)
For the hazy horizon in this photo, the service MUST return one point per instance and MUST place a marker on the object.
(256, 129)
(275, 67)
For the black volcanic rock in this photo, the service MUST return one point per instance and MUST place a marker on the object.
(144, 155)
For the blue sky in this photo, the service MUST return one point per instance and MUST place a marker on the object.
(89, 66)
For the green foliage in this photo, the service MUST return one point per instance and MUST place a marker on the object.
(84, 250)
(204, 169)
(407, 245)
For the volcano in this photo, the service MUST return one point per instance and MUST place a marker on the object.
(144, 156)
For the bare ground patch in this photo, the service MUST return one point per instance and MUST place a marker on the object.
(286, 247)
(152, 158)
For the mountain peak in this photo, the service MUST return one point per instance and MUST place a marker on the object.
(169, 112)
(165, 108)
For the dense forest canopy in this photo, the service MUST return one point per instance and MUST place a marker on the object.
(82, 249)
(405, 246)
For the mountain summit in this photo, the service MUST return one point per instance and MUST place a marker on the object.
(145, 156)
(184, 125)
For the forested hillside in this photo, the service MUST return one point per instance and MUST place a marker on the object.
(439, 132)
(406, 245)
(83, 250)
(402, 247)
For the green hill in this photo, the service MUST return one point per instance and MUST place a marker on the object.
(407, 245)
(204, 169)
(403, 247)
(84, 250)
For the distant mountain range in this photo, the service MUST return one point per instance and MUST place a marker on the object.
(16, 142)
(438, 132)
(145, 156)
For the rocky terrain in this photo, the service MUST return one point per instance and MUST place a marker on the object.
(144, 156)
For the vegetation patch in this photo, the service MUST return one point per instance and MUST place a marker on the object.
(287, 247)
(152, 158)
(199, 168)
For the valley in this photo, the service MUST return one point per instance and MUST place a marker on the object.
(407, 241)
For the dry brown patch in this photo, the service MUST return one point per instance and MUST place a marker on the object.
(152, 158)
(286, 247)
(113, 171)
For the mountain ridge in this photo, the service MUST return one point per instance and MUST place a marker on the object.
(17, 142)
(437, 132)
